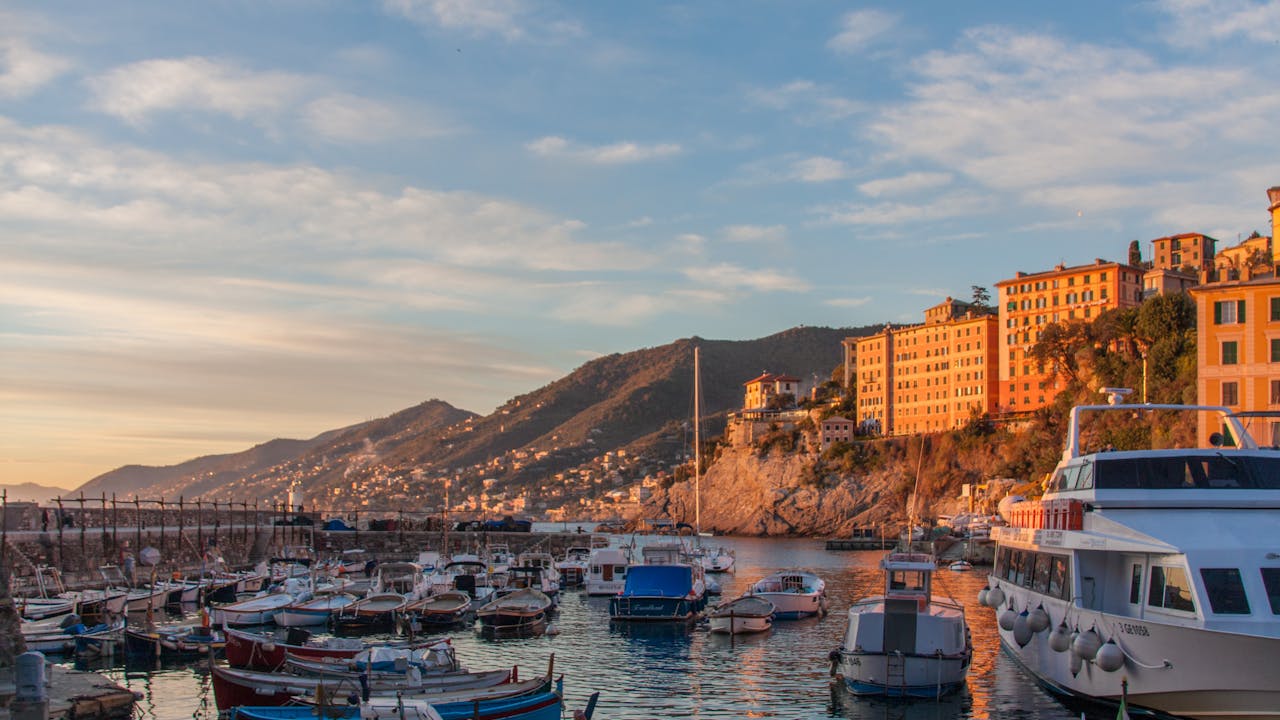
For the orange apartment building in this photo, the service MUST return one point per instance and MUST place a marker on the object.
(1030, 302)
(1238, 333)
(930, 377)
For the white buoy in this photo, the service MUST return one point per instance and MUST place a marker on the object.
(1060, 638)
(1038, 620)
(995, 598)
(1109, 657)
(1087, 644)
(1022, 629)
(982, 596)
(1007, 618)
(1076, 663)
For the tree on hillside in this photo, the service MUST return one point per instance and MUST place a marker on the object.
(1135, 253)
(1059, 348)
(981, 297)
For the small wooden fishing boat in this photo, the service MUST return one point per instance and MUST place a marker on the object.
(173, 641)
(58, 635)
(381, 660)
(521, 610)
(263, 608)
(374, 611)
(746, 614)
(316, 611)
(961, 566)
(42, 608)
(448, 608)
(256, 651)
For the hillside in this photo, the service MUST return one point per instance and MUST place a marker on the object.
(32, 492)
(639, 401)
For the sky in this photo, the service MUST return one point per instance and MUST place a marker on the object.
(223, 222)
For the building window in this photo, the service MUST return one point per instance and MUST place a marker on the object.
(1275, 349)
(1275, 309)
(1230, 393)
(1228, 312)
(1275, 392)
(1230, 356)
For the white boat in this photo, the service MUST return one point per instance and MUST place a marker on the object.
(906, 642)
(746, 614)
(607, 570)
(573, 568)
(263, 608)
(403, 578)
(795, 593)
(1155, 566)
(719, 560)
(960, 566)
(466, 573)
(316, 611)
(547, 563)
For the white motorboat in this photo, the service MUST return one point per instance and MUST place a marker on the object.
(607, 570)
(573, 568)
(263, 608)
(1156, 566)
(719, 560)
(960, 566)
(906, 642)
(316, 611)
(795, 593)
(746, 614)
(467, 573)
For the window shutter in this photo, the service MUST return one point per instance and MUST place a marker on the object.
(1240, 311)
(1217, 313)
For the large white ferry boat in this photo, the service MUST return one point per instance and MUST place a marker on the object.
(1159, 568)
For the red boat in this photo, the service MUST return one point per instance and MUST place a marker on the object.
(263, 652)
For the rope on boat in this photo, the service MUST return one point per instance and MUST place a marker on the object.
(1164, 664)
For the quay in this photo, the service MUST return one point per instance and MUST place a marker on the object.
(74, 695)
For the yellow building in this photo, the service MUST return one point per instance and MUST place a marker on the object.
(1030, 302)
(930, 377)
(761, 391)
(1190, 252)
(1238, 333)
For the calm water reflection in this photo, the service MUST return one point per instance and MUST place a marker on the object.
(662, 671)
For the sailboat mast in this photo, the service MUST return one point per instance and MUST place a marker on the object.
(697, 445)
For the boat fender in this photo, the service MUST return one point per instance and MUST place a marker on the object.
(1038, 621)
(982, 596)
(1060, 638)
(1087, 644)
(995, 597)
(1076, 663)
(1022, 629)
(1110, 657)
(1007, 619)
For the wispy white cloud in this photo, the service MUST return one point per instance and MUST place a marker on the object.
(23, 69)
(508, 19)
(754, 233)
(819, 169)
(908, 214)
(847, 302)
(614, 154)
(905, 184)
(350, 118)
(809, 102)
(727, 275)
(861, 28)
(1198, 23)
(136, 92)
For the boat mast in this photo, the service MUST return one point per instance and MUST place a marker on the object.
(697, 447)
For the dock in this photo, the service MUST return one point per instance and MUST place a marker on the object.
(858, 544)
(77, 695)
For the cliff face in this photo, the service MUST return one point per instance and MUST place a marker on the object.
(798, 493)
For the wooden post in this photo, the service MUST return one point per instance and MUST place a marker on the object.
(103, 517)
(83, 555)
(162, 527)
(200, 526)
(137, 509)
(60, 524)
(115, 522)
(182, 522)
(4, 527)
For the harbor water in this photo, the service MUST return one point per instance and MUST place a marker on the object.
(663, 671)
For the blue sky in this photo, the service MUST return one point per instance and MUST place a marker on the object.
(223, 222)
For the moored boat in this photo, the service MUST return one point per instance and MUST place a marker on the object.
(745, 614)
(447, 608)
(573, 567)
(544, 704)
(906, 642)
(522, 610)
(795, 593)
(176, 641)
(660, 592)
(1152, 566)
(263, 608)
(607, 571)
(255, 651)
(719, 560)
(373, 611)
(233, 687)
(316, 611)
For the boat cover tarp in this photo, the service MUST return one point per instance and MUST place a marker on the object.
(658, 581)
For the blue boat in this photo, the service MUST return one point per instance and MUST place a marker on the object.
(660, 593)
(537, 706)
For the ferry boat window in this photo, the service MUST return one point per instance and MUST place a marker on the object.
(1135, 585)
(1225, 590)
(1084, 481)
(1019, 567)
(1215, 472)
(1170, 589)
(1271, 582)
(1059, 578)
(1002, 563)
(1044, 567)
